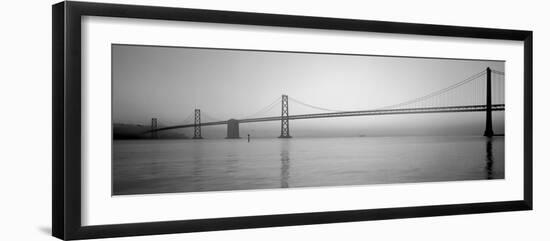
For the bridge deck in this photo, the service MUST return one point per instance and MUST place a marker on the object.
(426, 110)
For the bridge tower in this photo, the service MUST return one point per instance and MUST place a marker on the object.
(154, 126)
(489, 107)
(285, 128)
(197, 132)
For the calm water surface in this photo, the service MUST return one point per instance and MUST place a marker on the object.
(163, 166)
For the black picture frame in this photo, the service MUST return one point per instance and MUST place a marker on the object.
(66, 127)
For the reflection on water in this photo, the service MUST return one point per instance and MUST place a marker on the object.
(489, 158)
(164, 166)
(285, 163)
(154, 170)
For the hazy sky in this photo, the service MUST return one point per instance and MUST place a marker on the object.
(169, 83)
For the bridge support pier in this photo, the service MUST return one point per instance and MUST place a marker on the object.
(233, 129)
(489, 108)
(285, 127)
(197, 127)
(154, 125)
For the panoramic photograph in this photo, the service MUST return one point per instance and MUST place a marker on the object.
(189, 119)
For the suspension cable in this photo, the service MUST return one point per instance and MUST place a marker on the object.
(210, 117)
(313, 106)
(265, 109)
(436, 93)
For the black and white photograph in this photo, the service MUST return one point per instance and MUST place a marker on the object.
(191, 119)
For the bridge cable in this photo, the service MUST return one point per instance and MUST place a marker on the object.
(189, 118)
(265, 109)
(436, 93)
(413, 101)
(313, 106)
(209, 117)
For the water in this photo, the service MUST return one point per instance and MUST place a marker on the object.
(166, 166)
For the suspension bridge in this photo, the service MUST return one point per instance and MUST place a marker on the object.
(481, 92)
